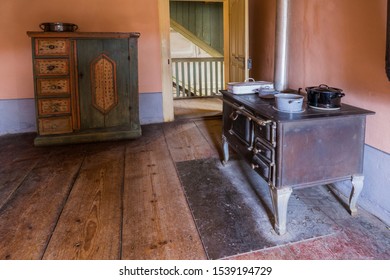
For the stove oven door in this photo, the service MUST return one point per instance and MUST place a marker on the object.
(238, 130)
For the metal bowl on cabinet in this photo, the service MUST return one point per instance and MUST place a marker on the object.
(58, 27)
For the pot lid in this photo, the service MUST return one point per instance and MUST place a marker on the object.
(325, 88)
(252, 82)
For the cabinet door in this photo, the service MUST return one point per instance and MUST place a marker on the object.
(104, 77)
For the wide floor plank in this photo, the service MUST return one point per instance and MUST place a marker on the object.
(157, 222)
(212, 131)
(12, 175)
(18, 157)
(90, 225)
(28, 219)
(186, 142)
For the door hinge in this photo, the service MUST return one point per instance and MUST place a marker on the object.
(249, 63)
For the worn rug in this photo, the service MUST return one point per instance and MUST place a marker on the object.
(232, 208)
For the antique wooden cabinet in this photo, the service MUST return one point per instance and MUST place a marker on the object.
(295, 150)
(86, 86)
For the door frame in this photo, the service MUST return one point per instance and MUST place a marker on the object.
(246, 41)
(166, 69)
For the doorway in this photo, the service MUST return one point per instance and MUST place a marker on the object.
(174, 88)
(197, 57)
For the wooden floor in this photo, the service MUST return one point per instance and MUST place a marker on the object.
(113, 200)
(197, 107)
(122, 200)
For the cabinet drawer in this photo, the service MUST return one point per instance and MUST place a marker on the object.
(47, 87)
(53, 106)
(51, 66)
(52, 47)
(55, 125)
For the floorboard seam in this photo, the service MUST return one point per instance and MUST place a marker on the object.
(122, 203)
(72, 182)
(21, 183)
(184, 193)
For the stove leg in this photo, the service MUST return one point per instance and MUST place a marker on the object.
(357, 187)
(280, 199)
(225, 149)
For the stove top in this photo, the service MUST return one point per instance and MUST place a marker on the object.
(267, 107)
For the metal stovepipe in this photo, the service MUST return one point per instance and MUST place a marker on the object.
(281, 45)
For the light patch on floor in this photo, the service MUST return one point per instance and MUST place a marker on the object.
(197, 107)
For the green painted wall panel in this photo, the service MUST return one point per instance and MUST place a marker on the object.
(203, 19)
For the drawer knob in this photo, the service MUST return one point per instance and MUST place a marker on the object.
(55, 107)
(51, 67)
(254, 166)
(52, 47)
(256, 151)
(53, 87)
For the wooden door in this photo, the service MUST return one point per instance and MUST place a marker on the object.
(103, 71)
(238, 40)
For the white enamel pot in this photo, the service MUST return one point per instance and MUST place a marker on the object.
(287, 102)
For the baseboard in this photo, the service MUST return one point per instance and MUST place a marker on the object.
(18, 115)
(375, 197)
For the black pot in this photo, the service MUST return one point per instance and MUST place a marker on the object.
(58, 27)
(323, 96)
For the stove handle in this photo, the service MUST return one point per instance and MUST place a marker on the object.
(234, 115)
(243, 111)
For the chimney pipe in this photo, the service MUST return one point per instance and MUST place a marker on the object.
(281, 45)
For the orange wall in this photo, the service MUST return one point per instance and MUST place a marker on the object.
(340, 43)
(19, 16)
(262, 38)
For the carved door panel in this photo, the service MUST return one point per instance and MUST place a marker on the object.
(103, 83)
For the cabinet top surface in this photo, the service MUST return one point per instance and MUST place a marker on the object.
(266, 108)
(40, 34)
